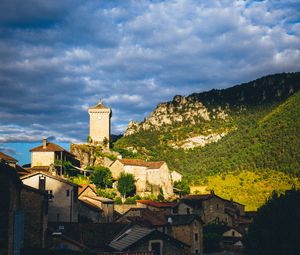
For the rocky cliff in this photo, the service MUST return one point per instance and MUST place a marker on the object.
(93, 155)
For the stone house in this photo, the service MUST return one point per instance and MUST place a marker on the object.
(13, 163)
(150, 176)
(232, 240)
(46, 154)
(63, 195)
(146, 218)
(36, 216)
(175, 176)
(164, 207)
(11, 214)
(211, 208)
(141, 239)
(94, 208)
(188, 229)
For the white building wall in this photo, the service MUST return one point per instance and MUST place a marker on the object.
(41, 158)
(62, 207)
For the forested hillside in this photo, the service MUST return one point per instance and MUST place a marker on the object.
(257, 127)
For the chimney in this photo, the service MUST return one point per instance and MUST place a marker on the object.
(44, 143)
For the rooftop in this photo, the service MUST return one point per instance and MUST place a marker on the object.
(50, 176)
(143, 216)
(49, 147)
(7, 158)
(158, 204)
(83, 187)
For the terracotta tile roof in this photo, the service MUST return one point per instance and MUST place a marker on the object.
(140, 162)
(83, 187)
(50, 147)
(7, 158)
(158, 204)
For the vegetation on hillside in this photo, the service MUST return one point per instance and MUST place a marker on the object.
(263, 123)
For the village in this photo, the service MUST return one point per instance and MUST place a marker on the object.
(44, 209)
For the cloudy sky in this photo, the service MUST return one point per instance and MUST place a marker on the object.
(59, 57)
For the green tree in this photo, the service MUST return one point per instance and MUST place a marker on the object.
(101, 176)
(126, 185)
(276, 228)
(183, 187)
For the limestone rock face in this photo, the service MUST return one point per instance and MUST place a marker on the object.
(181, 110)
(202, 140)
(93, 155)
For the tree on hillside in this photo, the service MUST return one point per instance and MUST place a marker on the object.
(183, 187)
(126, 184)
(101, 176)
(276, 228)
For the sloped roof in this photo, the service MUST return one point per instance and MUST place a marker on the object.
(129, 237)
(143, 216)
(135, 234)
(50, 176)
(202, 197)
(50, 147)
(7, 158)
(140, 162)
(95, 236)
(101, 199)
(83, 187)
(90, 205)
(7, 172)
(158, 204)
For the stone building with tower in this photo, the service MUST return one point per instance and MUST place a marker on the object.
(99, 124)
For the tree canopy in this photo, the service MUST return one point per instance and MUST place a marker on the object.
(276, 228)
(101, 176)
(126, 184)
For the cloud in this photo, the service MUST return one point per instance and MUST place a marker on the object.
(60, 57)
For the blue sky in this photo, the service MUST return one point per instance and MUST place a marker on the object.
(59, 57)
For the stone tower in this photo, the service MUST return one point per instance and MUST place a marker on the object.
(100, 123)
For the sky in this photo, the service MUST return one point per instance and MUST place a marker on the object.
(60, 57)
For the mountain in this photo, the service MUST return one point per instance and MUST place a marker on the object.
(249, 127)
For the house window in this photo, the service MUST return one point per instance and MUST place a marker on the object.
(50, 195)
(217, 206)
(68, 193)
(156, 247)
(57, 217)
(211, 208)
(233, 233)
(188, 211)
(196, 237)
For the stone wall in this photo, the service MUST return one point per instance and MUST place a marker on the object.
(42, 158)
(36, 217)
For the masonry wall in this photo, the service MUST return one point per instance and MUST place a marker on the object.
(99, 124)
(42, 158)
(93, 215)
(62, 208)
(35, 206)
(186, 234)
